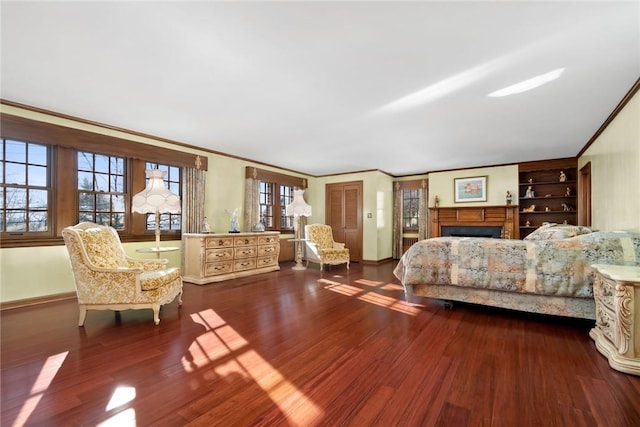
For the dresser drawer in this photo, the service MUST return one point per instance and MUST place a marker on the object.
(245, 264)
(267, 261)
(267, 240)
(212, 255)
(245, 241)
(216, 268)
(218, 242)
(245, 252)
(265, 250)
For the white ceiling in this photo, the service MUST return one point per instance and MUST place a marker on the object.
(313, 86)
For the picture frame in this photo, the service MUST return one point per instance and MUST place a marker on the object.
(471, 189)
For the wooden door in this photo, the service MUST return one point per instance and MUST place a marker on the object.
(344, 215)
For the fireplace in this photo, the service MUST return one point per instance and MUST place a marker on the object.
(471, 231)
(474, 221)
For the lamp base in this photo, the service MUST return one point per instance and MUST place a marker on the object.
(298, 267)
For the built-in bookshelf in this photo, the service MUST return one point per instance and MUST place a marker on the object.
(547, 193)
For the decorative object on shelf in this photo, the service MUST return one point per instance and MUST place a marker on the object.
(565, 222)
(436, 202)
(568, 192)
(566, 207)
(205, 226)
(470, 189)
(547, 209)
(529, 194)
(527, 224)
(531, 208)
(509, 197)
(547, 195)
(257, 227)
(563, 176)
(530, 181)
(298, 208)
(233, 227)
(156, 198)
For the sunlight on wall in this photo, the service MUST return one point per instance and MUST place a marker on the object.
(380, 209)
(47, 373)
(222, 341)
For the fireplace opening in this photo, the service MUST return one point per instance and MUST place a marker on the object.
(471, 231)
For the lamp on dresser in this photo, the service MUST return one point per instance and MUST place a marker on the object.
(156, 198)
(298, 208)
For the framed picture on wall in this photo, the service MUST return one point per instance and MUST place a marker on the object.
(472, 189)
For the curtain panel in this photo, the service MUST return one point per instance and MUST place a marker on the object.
(397, 221)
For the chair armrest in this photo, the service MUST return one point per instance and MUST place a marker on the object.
(338, 245)
(147, 264)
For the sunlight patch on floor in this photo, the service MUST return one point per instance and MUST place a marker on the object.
(121, 396)
(47, 373)
(373, 297)
(222, 341)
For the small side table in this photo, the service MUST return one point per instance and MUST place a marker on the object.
(157, 251)
(616, 290)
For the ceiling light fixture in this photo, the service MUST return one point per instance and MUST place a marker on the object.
(528, 84)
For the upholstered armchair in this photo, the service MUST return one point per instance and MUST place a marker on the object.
(107, 279)
(321, 248)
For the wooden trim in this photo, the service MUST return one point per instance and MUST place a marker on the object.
(374, 262)
(47, 133)
(270, 176)
(414, 184)
(498, 216)
(634, 89)
(29, 302)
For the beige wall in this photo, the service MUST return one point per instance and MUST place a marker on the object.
(615, 172)
(377, 199)
(499, 180)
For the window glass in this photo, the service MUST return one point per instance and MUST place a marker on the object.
(410, 208)
(24, 192)
(101, 182)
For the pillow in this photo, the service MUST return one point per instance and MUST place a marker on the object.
(557, 231)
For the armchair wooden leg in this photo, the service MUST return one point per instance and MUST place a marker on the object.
(156, 314)
(82, 315)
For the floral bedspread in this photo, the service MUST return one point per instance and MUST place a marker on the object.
(544, 267)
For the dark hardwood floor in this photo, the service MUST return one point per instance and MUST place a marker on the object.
(307, 348)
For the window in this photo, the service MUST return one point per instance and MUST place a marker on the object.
(53, 176)
(172, 181)
(274, 199)
(101, 189)
(266, 204)
(286, 197)
(410, 209)
(24, 195)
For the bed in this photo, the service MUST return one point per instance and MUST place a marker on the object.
(549, 272)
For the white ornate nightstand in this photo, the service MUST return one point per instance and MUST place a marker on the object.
(617, 331)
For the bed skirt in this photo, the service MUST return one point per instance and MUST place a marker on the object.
(582, 308)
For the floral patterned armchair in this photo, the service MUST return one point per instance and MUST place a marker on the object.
(107, 279)
(321, 248)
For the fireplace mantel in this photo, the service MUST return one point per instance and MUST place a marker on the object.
(496, 216)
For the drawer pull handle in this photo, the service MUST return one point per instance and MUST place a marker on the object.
(220, 242)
